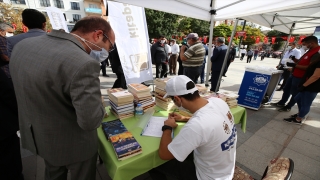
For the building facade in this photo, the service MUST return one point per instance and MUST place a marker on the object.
(73, 10)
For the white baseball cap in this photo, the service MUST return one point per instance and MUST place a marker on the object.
(177, 86)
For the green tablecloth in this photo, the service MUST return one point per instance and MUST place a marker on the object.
(137, 165)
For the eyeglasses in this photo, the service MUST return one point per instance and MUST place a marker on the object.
(112, 46)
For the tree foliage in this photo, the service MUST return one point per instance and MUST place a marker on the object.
(12, 15)
(161, 23)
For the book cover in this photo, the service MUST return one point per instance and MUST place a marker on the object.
(112, 128)
(114, 90)
(125, 145)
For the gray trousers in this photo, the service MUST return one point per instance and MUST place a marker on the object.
(192, 72)
(84, 170)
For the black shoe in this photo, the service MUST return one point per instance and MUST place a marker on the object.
(280, 89)
(105, 75)
(224, 75)
(284, 109)
(294, 115)
(277, 104)
(289, 120)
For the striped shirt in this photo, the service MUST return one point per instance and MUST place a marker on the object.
(195, 55)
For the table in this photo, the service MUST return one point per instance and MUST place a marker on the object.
(142, 163)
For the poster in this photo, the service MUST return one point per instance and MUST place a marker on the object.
(57, 19)
(130, 27)
(253, 89)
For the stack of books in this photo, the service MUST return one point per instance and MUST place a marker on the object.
(121, 102)
(231, 98)
(142, 95)
(160, 90)
(202, 89)
(122, 141)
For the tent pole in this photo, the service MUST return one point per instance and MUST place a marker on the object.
(227, 54)
(213, 13)
(288, 39)
(244, 25)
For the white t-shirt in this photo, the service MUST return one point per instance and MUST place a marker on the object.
(292, 52)
(212, 135)
(243, 51)
(168, 49)
(175, 49)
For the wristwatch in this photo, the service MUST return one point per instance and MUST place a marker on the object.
(165, 127)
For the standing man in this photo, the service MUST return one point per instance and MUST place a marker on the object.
(103, 67)
(205, 148)
(58, 93)
(117, 69)
(256, 52)
(299, 68)
(217, 62)
(4, 54)
(174, 57)
(249, 55)
(159, 57)
(243, 53)
(36, 23)
(292, 55)
(192, 57)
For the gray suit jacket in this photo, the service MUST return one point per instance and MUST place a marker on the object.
(13, 40)
(58, 94)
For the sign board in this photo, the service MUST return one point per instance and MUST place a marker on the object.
(241, 33)
(252, 90)
(130, 27)
(57, 19)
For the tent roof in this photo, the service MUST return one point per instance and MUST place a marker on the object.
(229, 9)
(306, 18)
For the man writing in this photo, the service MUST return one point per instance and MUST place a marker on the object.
(192, 57)
(59, 98)
(209, 135)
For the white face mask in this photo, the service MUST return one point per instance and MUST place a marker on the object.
(162, 41)
(304, 47)
(289, 47)
(171, 44)
(9, 34)
(100, 56)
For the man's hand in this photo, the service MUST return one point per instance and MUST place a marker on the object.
(289, 69)
(171, 122)
(177, 116)
(291, 64)
(183, 48)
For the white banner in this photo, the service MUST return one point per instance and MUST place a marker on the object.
(57, 19)
(132, 39)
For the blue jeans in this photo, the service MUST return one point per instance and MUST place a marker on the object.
(291, 88)
(304, 100)
(202, 72)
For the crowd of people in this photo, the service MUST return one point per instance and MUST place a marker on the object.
(50, 91)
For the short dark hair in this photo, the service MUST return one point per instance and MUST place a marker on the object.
(161, 36)
(309, 39)
(33, 18)
(91, 23)
(193, 96)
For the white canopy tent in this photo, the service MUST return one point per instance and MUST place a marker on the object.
(213, 10)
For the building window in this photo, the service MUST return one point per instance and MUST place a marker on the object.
(75, 6)
(93, 6)
(58, 4)
(45, 3)
(76, 17)
(18, 2)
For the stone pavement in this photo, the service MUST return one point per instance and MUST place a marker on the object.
(267, 136)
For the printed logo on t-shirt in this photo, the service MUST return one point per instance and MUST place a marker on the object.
(229, 143)
(226, 128)
(229, 115)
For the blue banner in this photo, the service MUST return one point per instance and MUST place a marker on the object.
(252, 89)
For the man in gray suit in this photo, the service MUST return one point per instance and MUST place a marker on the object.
(58, 93)
(36, 23)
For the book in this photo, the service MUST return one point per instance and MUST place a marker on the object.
(122, 141)
(122, 116)
(121, 97)
(114, 90)
(122, 106)
(161, 83)
(138, 88)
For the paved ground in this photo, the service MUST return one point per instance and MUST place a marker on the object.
(267, 135)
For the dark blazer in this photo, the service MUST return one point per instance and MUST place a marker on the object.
(9, 123)
(59, 100)
(13, 40)
(218, 56)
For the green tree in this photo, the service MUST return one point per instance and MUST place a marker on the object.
(251, 34)
(222, 30)
(184, 26)
(201, 27)
(161, 23)
(279, 42)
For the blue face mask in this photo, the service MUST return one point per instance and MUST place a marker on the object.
(100, 56)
